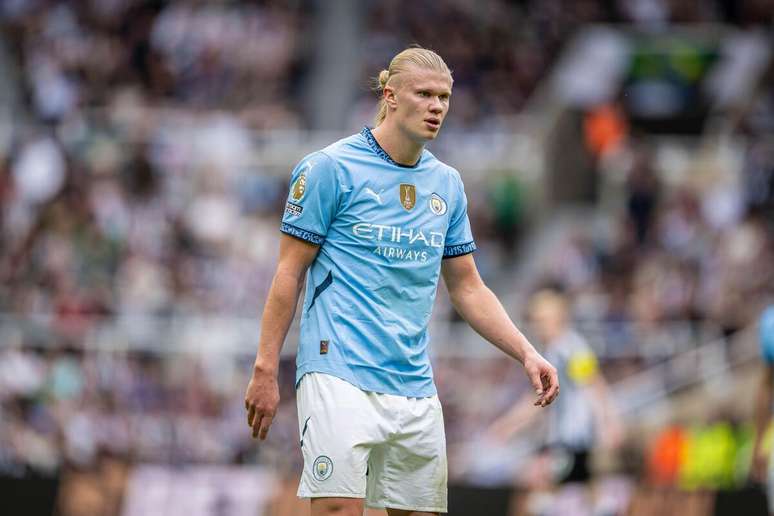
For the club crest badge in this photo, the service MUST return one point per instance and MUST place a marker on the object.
(437, 204)
(322, 469)
(408, 196)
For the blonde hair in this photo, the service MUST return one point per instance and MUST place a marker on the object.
(413, 56)
(551, 303)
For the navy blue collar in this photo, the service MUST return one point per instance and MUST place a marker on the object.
(366, 132)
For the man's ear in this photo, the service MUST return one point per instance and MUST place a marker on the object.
(389, 97)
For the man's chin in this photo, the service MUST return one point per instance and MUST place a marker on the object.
(430, 134)
(424, 135)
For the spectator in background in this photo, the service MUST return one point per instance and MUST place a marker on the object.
(642, 198)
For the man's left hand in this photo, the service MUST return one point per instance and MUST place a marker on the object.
(543, 377)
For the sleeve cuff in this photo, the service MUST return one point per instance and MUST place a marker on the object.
(302, 234)
(452, 251)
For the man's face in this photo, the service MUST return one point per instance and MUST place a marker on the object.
(548, 320)
(421, 101)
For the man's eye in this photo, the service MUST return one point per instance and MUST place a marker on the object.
(424, 93)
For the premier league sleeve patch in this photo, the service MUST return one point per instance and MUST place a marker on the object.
(298, 189)
(312, 201)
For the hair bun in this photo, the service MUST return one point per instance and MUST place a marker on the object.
(384, 76)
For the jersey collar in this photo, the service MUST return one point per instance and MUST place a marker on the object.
(368, 135)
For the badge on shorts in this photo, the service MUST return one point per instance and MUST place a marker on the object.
(323, 347)
(322, 469)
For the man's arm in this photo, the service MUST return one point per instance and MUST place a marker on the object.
(762, 419)
(483, 311)
(262, 396)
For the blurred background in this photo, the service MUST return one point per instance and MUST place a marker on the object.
(620, 152)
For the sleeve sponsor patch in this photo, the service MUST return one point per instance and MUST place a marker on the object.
(294, 209)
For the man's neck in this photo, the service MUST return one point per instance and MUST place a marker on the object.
(401, 149)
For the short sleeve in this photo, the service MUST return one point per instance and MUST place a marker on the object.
(459, 237)
(312, 200)
(766, 330)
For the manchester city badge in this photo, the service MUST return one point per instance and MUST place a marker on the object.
(322, 469)
(437, 204)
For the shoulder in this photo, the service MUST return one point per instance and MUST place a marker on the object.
(331, 157)
(318, 164)
(345, 147)
(572, 342)
(444, 170)
(430, 160)
(318, 158)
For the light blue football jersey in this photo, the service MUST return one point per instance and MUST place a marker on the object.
(766, 331)
(383, 229)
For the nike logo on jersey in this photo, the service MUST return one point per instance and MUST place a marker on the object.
(377, 196)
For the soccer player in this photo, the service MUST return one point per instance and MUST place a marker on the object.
(372, 221)
(586, 414)
(760, 471)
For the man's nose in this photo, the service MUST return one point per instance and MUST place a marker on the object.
(436, 107)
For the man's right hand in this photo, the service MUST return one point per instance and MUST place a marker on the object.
(261, 401)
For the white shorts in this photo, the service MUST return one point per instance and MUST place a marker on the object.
(390, 450)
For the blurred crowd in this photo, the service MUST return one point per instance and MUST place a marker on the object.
(66, 407)
(130, 188)
(198, 55)
(689, 238)
(499, 51)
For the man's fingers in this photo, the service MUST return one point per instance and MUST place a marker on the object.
(250, 415)
(552, 387)
(537, 384)
(264, 429)
(257, 424)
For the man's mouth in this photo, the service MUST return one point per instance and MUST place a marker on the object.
(433, 123)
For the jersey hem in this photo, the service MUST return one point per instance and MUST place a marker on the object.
(349, 377)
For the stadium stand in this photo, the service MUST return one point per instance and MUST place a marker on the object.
(145, 149)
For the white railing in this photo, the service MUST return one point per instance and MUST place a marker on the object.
(704, 365)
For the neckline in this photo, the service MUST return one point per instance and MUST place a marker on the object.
(369, 136)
